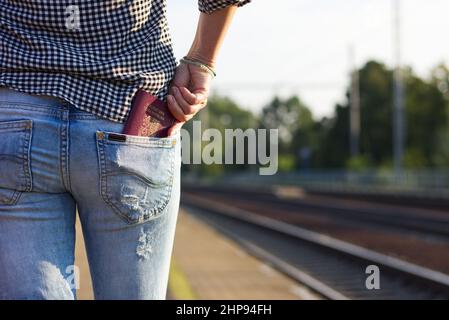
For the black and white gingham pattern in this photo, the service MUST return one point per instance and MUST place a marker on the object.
(98, 64)
(209, 6)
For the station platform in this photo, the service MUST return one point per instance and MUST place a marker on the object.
(206, 265)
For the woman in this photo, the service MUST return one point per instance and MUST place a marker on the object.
(68, 75)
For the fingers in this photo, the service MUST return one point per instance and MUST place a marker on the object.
(176, 110)
(188, 108)
(184, 104)
(188, 96)
(192, 98)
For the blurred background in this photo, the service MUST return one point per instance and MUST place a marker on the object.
(302, 66)
(359, 91)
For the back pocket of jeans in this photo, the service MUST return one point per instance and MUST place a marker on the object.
(136, 174)
(15, 170)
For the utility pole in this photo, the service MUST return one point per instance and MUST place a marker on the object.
(354, 102)
(398, 113)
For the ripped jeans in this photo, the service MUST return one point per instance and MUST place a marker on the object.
(56, 160)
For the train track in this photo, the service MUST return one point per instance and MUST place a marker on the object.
(333, 268)
(406, 219)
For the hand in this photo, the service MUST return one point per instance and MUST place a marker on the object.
(188, 93)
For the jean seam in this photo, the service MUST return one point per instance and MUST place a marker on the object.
(26, 154)
(26, 130)
(14, 199)
(14, 124)
(63, 158)
(67, 156)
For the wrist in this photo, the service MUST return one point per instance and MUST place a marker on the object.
(200, 65)
(203, 58)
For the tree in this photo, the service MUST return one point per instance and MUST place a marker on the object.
(440, 79)
(426, 117)
(297, 129)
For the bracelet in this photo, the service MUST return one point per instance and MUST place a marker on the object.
(197, 63)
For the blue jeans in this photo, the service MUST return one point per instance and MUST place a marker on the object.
(55, 160)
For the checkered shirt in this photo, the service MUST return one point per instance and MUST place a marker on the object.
(93, 54)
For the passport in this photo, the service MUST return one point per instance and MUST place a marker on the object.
(149, 116)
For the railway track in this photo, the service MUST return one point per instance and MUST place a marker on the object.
(333, 268)
(406, 219)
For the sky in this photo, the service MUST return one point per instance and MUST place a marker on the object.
(303, 47)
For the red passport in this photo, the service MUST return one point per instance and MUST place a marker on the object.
(149, 116)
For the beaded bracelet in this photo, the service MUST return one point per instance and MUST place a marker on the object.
(197, 63)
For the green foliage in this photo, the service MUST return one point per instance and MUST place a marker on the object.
(414, 159)
(306, 142)
(298, 131)
(426, 120)
(358, 163)
(287, 162)
(225, 113)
